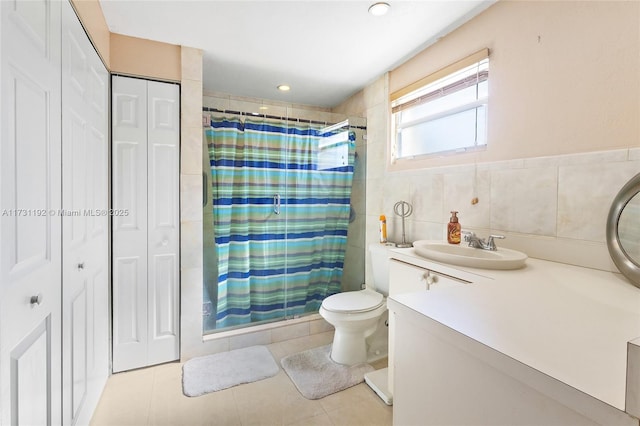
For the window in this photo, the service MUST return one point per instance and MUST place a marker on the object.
(444, 112)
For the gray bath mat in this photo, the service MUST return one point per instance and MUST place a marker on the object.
(316, 375)
(226, 369)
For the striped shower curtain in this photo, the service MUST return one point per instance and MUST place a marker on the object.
(275, 265)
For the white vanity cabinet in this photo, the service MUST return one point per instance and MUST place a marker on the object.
(410, 278)
(546, 344)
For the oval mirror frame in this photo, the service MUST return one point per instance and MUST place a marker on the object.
(625, 264)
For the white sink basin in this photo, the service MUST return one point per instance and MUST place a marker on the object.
(463, 255)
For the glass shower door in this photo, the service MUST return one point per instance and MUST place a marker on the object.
(319, 180)
(280, 213)
(248, 174)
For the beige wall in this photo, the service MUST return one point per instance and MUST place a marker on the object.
(128, 55)
(92, 19)
(563, 76)
(145, 58)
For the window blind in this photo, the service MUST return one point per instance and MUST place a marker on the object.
(469, 81)
(448, 70)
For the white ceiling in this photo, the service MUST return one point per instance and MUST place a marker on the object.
(325, 50)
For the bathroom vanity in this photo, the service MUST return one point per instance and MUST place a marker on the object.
(547, 344)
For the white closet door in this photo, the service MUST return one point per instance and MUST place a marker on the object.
(30, 227)
(146, 242)
(129, 187)
(163, 221)
(85, 292)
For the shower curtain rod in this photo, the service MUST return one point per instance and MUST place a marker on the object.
(336, 126)
(275, 117)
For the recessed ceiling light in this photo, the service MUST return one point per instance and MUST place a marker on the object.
(284, 88)
(263, 107)
(379, 9)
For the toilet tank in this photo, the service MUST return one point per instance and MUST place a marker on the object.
(380, 267)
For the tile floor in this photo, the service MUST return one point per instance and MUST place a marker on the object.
(153, 396)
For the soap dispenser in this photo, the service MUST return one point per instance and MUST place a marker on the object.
(453, 229)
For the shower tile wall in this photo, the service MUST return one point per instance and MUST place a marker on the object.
(190, 199)
(316, 328)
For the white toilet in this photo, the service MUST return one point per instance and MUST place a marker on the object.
(355, 315)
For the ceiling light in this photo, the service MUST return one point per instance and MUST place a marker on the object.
(379, 9)
(284, 88)
(263, 107)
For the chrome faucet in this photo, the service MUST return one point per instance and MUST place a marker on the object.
(480, 243)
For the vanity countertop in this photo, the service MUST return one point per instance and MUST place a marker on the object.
(568, 322)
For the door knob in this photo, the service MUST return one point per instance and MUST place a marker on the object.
(80, 266)
(165, 242)
(36, 300)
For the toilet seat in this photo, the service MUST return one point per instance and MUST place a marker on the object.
(353, 301)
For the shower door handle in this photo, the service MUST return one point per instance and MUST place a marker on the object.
(276, 204)
(205, 189)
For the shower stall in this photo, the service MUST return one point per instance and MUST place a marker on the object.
(280, 217)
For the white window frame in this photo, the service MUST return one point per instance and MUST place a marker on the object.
(465, 73)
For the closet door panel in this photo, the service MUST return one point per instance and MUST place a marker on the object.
(30, 226)
(163, 314)
(129, 161)
(163, 226)
(85, 240)
(27, 174)
(77, 351)
(146, 136)
(127, 301)
(75, 156)
(129, 124)
(97, 230)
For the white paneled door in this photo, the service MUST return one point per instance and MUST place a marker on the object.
(129, 188)
(85, 240)
(30, 223)
(145, 171)
(163, 221)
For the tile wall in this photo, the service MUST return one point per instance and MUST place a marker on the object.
(190, 202)
(269, 333)
(553, 208)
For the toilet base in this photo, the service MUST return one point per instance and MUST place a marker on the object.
(349, 347)
(351, 331)
(378, 342)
